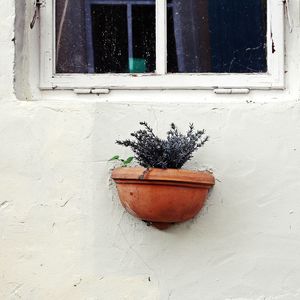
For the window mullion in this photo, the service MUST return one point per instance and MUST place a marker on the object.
(161, 36)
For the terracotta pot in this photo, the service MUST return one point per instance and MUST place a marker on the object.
(162, 196)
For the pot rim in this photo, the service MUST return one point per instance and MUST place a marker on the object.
(169, 175)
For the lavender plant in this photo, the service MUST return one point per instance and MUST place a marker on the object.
(172, 152)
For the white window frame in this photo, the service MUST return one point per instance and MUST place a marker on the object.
(272, 79)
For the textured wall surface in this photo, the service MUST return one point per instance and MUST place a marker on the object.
(63, 233)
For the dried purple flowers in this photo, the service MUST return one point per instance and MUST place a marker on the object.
(173, 152)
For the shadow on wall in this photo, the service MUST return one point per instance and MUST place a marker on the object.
(26, 67)
(19, 45)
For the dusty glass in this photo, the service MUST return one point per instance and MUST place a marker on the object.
(219, 36)
(203, 36)
(105, 36)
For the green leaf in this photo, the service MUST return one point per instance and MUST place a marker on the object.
(116, 157)
(128, 160)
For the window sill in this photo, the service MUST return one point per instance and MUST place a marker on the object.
(251, 81)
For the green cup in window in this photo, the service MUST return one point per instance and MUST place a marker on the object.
(137, 65)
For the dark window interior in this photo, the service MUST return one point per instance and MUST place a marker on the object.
(123, 41)
(143, 27)
(219, 36)
(203, 36)
(172, 64)
(238, 35)
(110, 41)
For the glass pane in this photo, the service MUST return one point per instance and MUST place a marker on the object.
(105, 36)
(219, 36)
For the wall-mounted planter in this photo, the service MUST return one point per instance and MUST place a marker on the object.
(162, 196)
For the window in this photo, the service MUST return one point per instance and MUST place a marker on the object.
(154, 44)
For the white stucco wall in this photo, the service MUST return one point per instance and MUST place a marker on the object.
(64, 234)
